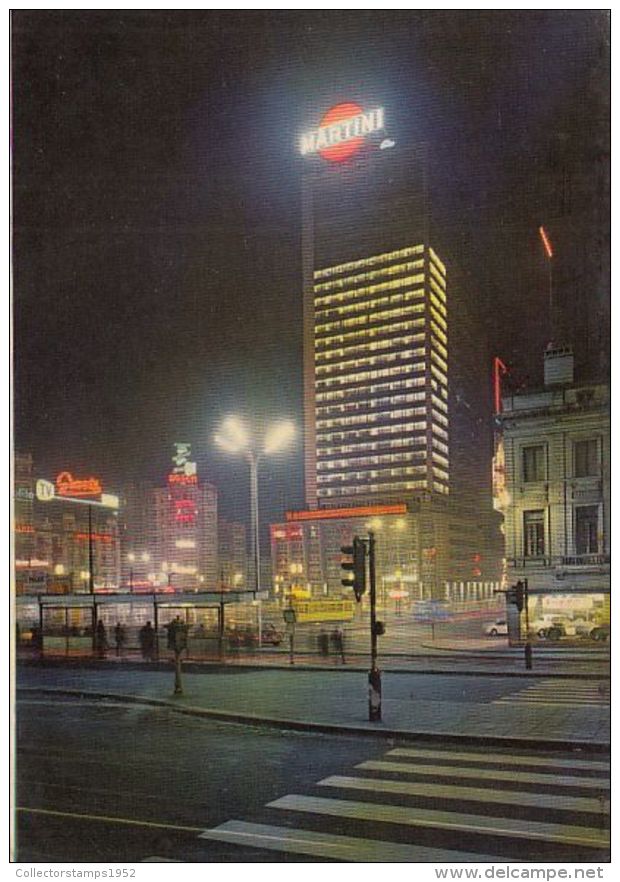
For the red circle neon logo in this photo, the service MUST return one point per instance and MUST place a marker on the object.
(337, 114)
(341, 132)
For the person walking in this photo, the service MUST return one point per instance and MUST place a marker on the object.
(101, 639)
(147, 641)
(338, 641)
(324, 642)
(119, 638)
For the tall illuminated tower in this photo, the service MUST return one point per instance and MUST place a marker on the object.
(375, 319)
(380, 408)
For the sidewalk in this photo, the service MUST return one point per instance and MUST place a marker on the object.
(414, 705)
(508, 662)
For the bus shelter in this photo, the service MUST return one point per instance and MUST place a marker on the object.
(65, 624)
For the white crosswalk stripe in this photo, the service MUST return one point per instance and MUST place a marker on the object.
(560, 692)
(569, 809)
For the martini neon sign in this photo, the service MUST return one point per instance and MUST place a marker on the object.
(341, 132)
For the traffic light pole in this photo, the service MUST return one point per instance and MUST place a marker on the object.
(528, 644)
(374, 676)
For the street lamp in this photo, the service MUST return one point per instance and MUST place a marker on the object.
(234, 437)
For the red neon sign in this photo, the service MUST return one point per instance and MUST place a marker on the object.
(96, 537)
(185, 512)
(174, 478)
(334, 115)
(364, 511)
(67, 485)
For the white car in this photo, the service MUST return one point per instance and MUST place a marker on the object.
(497, 629)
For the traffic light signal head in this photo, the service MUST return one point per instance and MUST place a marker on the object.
(356, 567)
(516, 595)
(519, 595)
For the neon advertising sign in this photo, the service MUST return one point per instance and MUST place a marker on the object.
(184, 471)
(341, 132)
(67, 485)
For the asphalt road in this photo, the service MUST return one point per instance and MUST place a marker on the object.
(98, 781)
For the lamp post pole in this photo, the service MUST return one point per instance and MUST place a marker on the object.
(253, 459)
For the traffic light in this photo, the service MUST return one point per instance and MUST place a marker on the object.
(515, 595)
(356, 566)
(519, 594)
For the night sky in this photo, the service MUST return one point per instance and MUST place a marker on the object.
(157, 209)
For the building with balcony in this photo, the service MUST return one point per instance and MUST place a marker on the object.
(557, 486)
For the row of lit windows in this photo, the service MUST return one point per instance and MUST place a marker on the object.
(370, 375)
(367, 404)
(392, 429)
(321, 327)
(438, 375)
(440, 390)
(355, 490)
(439, 263)
(375, 346)
(379, 388)
(440, 474)
(368, 261)
(437, 402)
(340, 477)
(439, 319)
(391, 270)
(440, 488)
(372, 418)
(356, 461)
(371, 446)
(369, 290)
(436, 330)
(370, 361)
(438, 290)
(441, 432)
(439, 417)
(442, 460)
(435, 344)
(440, 446)
(369, 305)
(439, 361)
(326, 342)
(435, 274)
(438, 305)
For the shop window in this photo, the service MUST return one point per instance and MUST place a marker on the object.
(534, 463)
(586, 529)
(534, 533)
(586, 458)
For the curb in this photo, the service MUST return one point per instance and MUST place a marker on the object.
(328, 728)
(194, 667)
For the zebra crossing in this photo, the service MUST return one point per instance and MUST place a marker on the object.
(421, 804)
(561, 693)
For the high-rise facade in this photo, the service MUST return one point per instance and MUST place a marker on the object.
(388, 412)
(380, 376)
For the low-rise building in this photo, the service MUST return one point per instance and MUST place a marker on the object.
(557, 489)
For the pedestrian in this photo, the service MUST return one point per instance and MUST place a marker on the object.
(324, 642)
(119, 638)
(101, 639)
(338, 641)
(147, 641)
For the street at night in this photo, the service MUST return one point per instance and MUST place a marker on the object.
(310, 438)
(103, 781)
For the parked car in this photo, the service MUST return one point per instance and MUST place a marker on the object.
(600, 633)
(496, 629)
(271, 636)
(549, 627)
